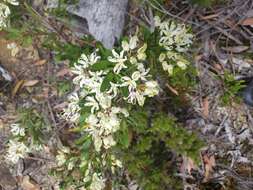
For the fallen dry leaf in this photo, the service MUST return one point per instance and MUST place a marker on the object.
(40, 62)
(236, 49)
(18, 85)
(187, 165)
(205, 103)
(210, 16)
(63, 72)
(209, 162)
(60, 106)
(174, 91)
(218, 67)
(247, 22)
(27, 184)
(30, 83)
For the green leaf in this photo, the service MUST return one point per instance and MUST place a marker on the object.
(101, 65)
(102, 50)
(124, 137)
(125, 91)
(106, 82)
(82, 140)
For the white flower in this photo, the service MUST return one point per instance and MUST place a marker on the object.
(98, 183)
(167, 67)
(162, 57)
(113, 89)
(131, 45)
(91, 102)
(131, 82)
(104, 100)
(136, 75)
(71, 165)
(97, 140)
(141, 55)
(81, 77)
(84, 78)
(119, 59)
(17, 130)
(109, 123)
(13, 2)
(16, 150)
(116, 162)
(14, 49)
(136, 96)
(93, 58)
(182, 64)
(72, 112)
(4, 13)
(116, 110)
(118, 67)
(143, 72)
(60, 159)
(133, 60)
(108, 142)
(92, 120)
(157, 21)
(85, 61)
(36, 147)
(125, 45)
(133, 42)
(151, 88)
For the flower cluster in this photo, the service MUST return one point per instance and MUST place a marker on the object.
(16, 150)
(125, 78)
(5, 11)
(173, 36)
(103, 83)
(175, 39)
(19, 146)
(170, 60)
(17, 130)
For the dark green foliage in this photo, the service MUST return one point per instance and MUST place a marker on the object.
(34, 124)
(176, 137)
(61, 11)
(231, 88)
(205, 3)
(64, 87)
(149, 157)
(184, 80)
(20, 35)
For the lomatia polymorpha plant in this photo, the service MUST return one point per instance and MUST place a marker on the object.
(110, 86)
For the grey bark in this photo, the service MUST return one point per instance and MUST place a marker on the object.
(105, 18)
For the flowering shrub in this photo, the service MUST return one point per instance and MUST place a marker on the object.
(5, 11)
(109, 107)
(109, 86)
